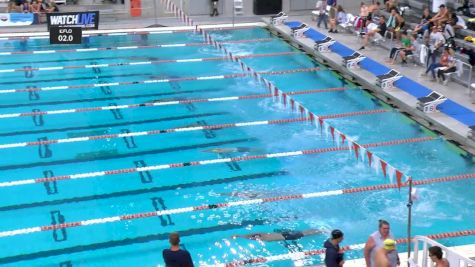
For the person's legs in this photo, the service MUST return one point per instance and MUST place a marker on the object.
(440, 75)
(402, 55)
(432, 68)
(325, 20)
(319, 20)
(393, 52)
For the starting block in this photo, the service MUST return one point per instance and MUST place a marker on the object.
(279, 19)
(297, 32)
(471, 133)
(352, 61)
(387, 80)
(428, 104)
(323, 45)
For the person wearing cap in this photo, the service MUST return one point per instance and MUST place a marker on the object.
(175, 256)
(376, 241)
(333, 253)
(387, 255)
(435, 254)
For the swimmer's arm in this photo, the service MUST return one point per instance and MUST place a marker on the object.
(313, 232)
(367, 249)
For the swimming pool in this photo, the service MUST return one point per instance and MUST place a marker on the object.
(86, 97)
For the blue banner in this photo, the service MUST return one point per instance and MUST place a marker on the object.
(16, 19)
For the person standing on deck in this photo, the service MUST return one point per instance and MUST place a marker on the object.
(175, 256)
(376, 241)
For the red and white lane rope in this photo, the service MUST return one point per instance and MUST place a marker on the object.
(248, 202)
(286, 99)
(79, 50)
(155, 104)
(207, 162)
(315, 252)
(196, 78)
(141, 63)
(123, 33)
(183, 129)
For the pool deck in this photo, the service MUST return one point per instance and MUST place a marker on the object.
(438, 121)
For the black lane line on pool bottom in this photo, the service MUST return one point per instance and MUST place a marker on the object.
(159, 204)
(95, 156)
(43, 150)
(58, 218)
(66, 264)
(108, 125)
(117, 113)
(131, 241)
(34, 95)
(37, 118)
(79, 78)
(128, 140)
(144, 58)
(51, 187)
(145, 177)
(142, 191)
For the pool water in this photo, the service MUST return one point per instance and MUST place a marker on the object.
(442, 207)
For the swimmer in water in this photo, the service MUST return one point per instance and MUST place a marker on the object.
(285, 235)
(241, 194)
(230, 150)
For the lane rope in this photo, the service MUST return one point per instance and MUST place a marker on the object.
(93, 49)
(222, 205)
(141, 32)
(207, 162)
(141, 63)
(155, 104)
(283, 97)
(195, 78)
(182, 129)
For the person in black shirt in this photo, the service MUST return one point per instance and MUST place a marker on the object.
(333, 254)
(175, 256)
(375, 32)
(214, 5)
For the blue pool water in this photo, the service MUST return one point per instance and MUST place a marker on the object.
(442, 207)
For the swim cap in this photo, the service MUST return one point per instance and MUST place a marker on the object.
(336, 234)
(389, 244)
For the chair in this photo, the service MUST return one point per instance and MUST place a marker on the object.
(429, 103)
(391, 37)
(458, 70)
(349, 24)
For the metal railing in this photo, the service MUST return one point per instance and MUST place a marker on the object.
(421, 258)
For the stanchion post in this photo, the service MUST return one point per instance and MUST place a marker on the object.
(234, 11)
(409, 221)
(155, 12)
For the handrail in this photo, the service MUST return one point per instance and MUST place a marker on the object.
(455, 259)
